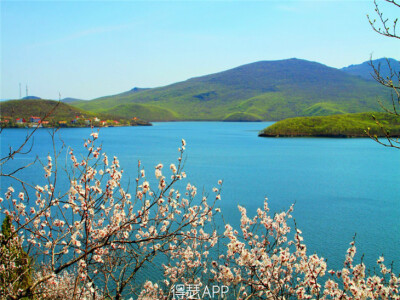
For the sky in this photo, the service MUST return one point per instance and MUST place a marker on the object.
(89, 49)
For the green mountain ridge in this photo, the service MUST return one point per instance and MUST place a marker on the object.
(265, 90)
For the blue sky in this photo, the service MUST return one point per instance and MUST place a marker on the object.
(88, 49)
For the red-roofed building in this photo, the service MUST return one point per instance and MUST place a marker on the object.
(34, 119)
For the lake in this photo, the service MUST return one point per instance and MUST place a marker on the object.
(341, 187)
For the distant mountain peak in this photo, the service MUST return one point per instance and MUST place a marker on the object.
(366, 71)
(70, 100)
(31, 98)
(137, 89)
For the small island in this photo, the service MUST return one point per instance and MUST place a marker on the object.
(343, 125)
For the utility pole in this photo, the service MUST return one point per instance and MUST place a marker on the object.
(27, 90)
(20, 95)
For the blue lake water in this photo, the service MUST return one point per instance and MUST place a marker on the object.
(341, 187)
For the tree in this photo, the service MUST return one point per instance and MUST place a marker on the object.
(96, 232)
(386, 27)
(93, 241)
(13, 258)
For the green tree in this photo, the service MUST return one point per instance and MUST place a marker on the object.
(17, 273)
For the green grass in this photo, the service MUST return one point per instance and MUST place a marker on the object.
(322, 109)
(344, 125)
(272, 90)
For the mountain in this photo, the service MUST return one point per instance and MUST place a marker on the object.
(31, 98)
(366, 71)
(135, 90)
(70, 100)
(265, 90)
(125, 94)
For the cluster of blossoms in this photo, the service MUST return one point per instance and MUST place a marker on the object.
(95, 228)
(48, 167)
(263, 262)
(94, 240)
(62, 286)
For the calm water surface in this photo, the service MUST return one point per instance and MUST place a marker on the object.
(341, 187)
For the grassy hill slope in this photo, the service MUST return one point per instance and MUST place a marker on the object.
(141, 111)
(345, 125)
(268, 90)
(34, 107)
(62, 112)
